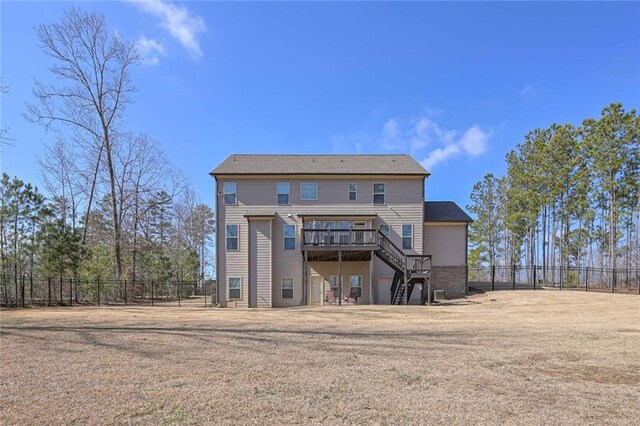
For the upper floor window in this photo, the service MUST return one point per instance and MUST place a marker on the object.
(353, 191)
(233, 236)
(289, 232)
(384, 228)
(229, 193)
(407, 237)
(235, 288)
(283, 190)
(379, 193)
(309, 191)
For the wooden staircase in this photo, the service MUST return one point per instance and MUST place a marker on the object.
(409, 269)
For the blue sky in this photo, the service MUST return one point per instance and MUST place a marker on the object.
(457, 85)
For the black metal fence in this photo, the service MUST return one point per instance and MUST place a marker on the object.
(37, 291)
(562, 278)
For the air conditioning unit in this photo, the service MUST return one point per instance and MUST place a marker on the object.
(438, 295)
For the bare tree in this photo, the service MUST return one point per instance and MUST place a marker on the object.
(4, 132)
(93, 66)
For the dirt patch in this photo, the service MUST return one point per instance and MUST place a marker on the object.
(518, 357)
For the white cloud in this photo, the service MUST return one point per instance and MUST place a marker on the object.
(422, 137)
(528, 92)
(474, 141)
(150, 50)
(178, 21)
(439, 155)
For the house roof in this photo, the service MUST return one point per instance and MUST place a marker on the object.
(444, 211)
(252, 164)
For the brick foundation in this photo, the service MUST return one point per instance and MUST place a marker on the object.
(451, 279)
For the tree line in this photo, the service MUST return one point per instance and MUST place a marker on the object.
(570, 198)
(114, 206)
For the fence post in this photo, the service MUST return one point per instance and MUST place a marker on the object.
(493, 277)
(534, 277)
(98, 281)
(22, 289)
(152, 285)
(561, 278)
(586, 279)
(31, 286)
(613, 281)
(513, 277)
(70, 291)
(125, 292)
(49, 282)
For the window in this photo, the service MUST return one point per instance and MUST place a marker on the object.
(330, 236)
(353, 191)
(407, 237)
(283, 190)
(343, 235)
(309, 191)
(384, 228)
(230, 194)
(235, 288)
(355, 285)
(286, 285)
(289, 232)
(378, 193)
(334, 285)
(232, 238)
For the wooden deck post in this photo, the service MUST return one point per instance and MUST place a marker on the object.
(371, 278)
(340, 276)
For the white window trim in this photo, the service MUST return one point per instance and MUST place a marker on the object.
(374, 193)
(226, 238)
(360, 286)
(293, 287)
(284, 237)
(282, 193)
(309, 199)
(402, 236)
(349, 191)
(224, 194)
(229, 288)
(388, 234)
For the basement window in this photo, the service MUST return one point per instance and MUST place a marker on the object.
(287, 288)
(235, 288)
(355, 286)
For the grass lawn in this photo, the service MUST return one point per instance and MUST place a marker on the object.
(544, 357)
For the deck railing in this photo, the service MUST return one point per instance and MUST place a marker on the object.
(391, 251)
(339, 237)
(417, 263)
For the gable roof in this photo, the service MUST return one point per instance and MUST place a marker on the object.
(444, 211)
(252, 164)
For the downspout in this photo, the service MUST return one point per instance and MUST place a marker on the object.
(466, 260)
(217, 245)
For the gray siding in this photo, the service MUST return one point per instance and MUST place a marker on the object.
(404, 205)
(447, 243)
(259, 263)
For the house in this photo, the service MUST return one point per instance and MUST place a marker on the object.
(333, 229)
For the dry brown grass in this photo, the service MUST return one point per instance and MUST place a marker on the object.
(507, 357)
